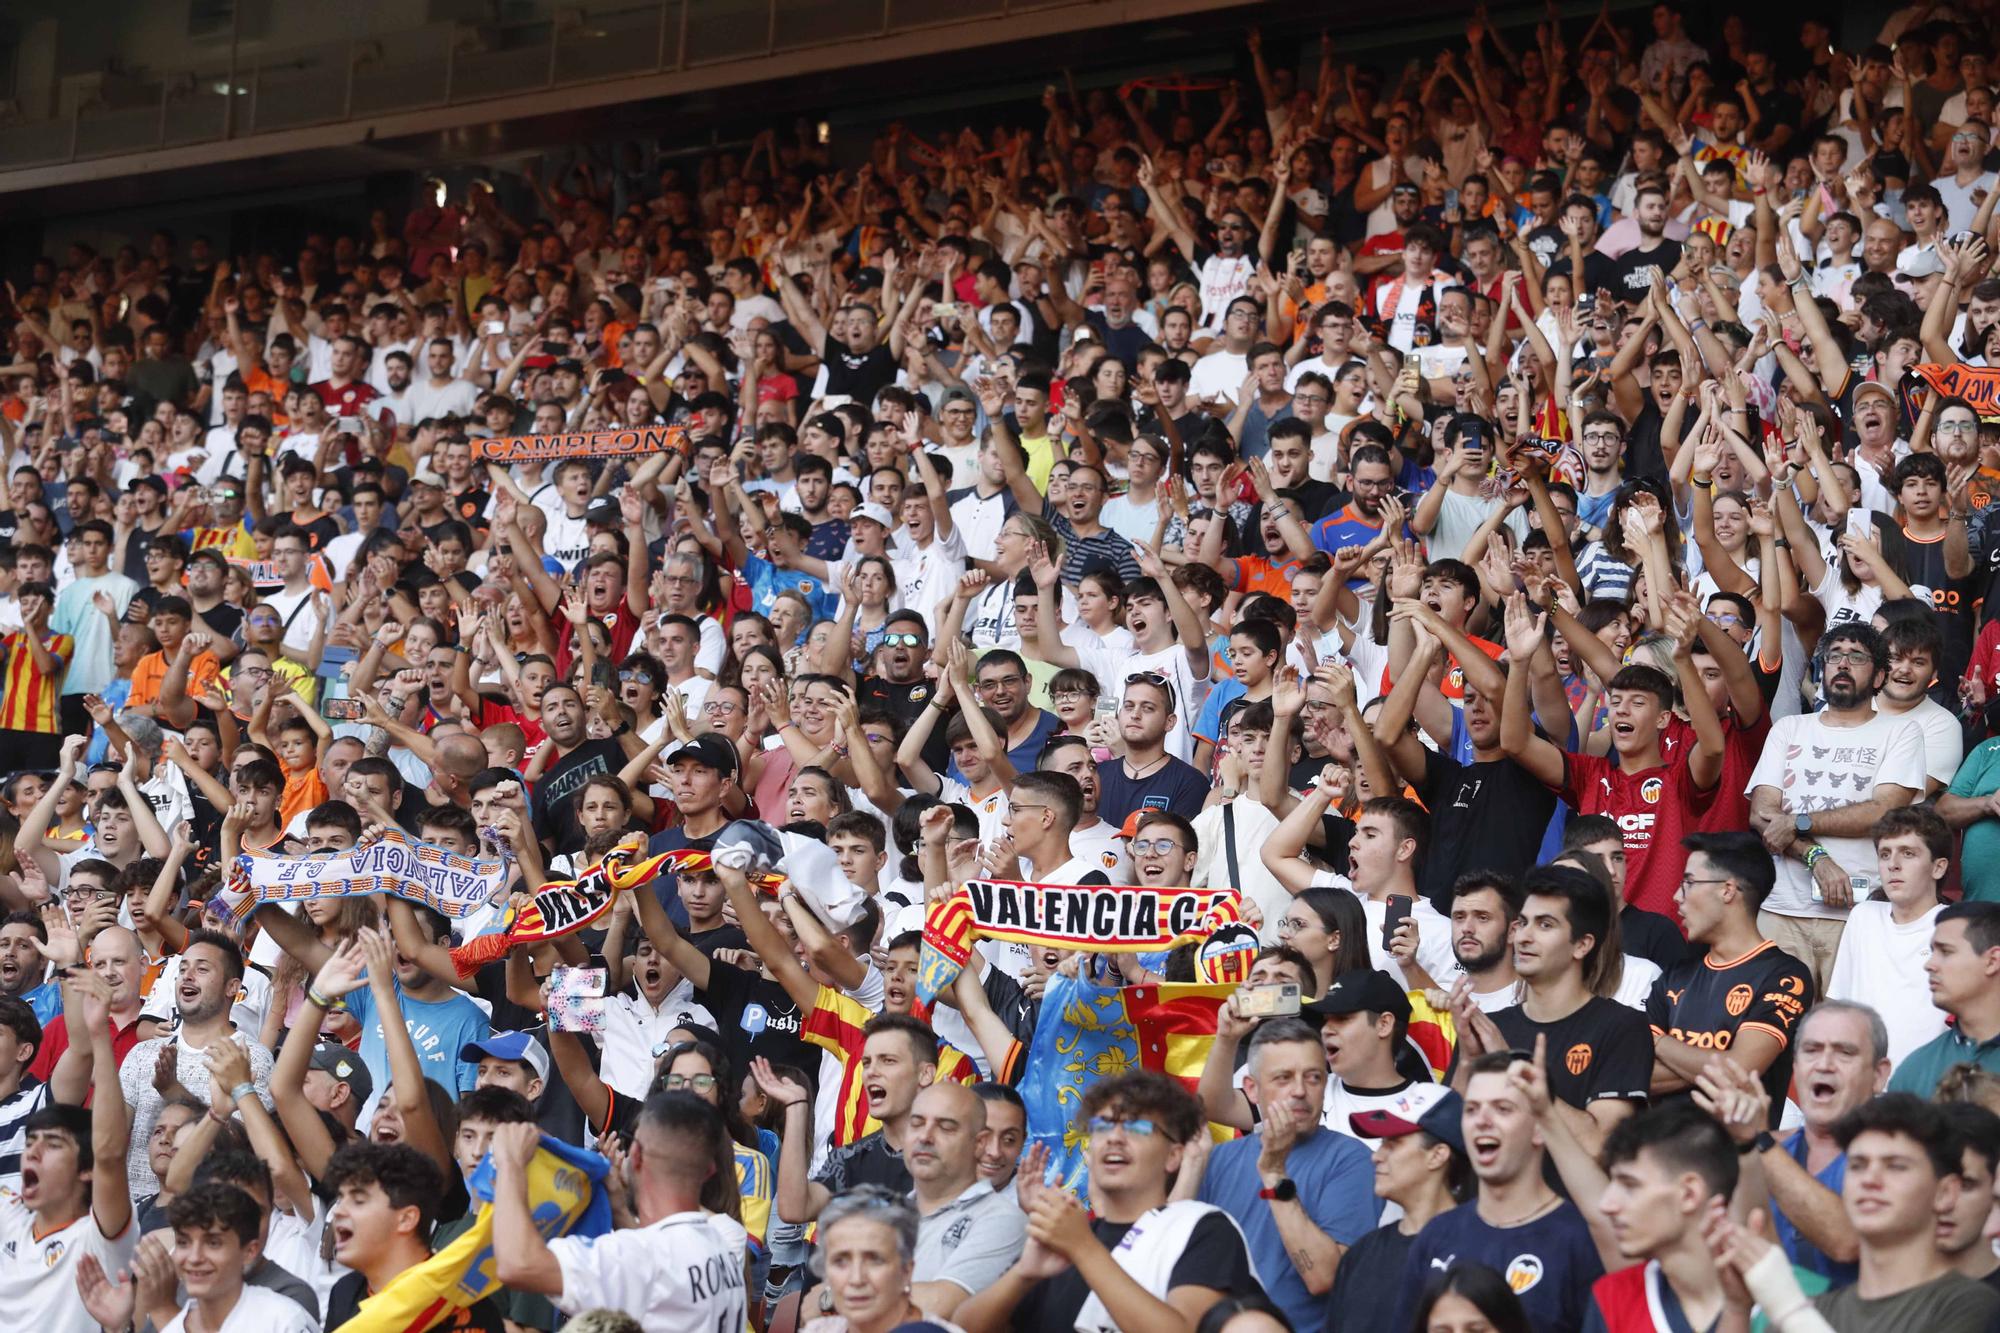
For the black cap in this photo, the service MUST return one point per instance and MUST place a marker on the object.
(709, 749)
(1362, 990)
(604, 509)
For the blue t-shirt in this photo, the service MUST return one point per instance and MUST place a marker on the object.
(1336, 1180)
(766, 581)
(1550, 1262)
(1803, 1252)
(1208, 726)
(1027, 756)
(46, 1001)
(438, 1030)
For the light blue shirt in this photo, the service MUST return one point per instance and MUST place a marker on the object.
(91, 669)
(438, 1030)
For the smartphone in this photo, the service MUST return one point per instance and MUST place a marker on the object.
(491, 328)
(341, 710)
(1274, 1001)
(946, 310)
(1398, 913)
(1450, 201)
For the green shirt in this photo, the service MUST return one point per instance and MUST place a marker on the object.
(1979, 861)
(1922, 1068)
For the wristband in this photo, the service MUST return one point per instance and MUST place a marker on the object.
(240, 1091)
(1703, 482)
(1814, 855)
(314, 997)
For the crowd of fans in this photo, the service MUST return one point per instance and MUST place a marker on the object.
(1525, 521)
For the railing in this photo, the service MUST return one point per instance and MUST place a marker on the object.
(448, 64)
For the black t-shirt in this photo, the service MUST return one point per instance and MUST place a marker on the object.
(344, 1302)
(756, 1017)
(1602, 1050)
(1125, 343)
(1708, 1006)
(1546, 242)
(1316, 499)
(1215, 1258)
(555, 794)
(1923, 565)
(907, 703)
(1631, 276)
(1654, 937)
(869, 1160)
(319, 532)
(1482, 814)
(1367, 1287)
(859, 377)
(223, 618)
(1644, 455)
(1599, 270)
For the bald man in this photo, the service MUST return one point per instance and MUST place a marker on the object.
(117, 957)
(459, 756)
(967, 1235)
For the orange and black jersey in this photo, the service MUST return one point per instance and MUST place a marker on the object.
(1710, 1005)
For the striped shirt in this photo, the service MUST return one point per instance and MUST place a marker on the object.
(30, 700)
(31, 1097)
(835, 1025)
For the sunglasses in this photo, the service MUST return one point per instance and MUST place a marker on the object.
(902, 640)
(1102, 1124)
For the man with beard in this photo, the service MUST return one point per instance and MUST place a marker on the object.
(1359, 522)
(1483, 908)
(1000, 682)
(1092, 840)
(811, 490)
(1602, 437)
(440, 393)
(967, 1235)
(1087, 543)
(206, 986)
(1632, 274)
(578, 759)
(1816, 815)
(73, 1212)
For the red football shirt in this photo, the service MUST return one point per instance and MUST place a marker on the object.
(1728, 807)
(1655, 807)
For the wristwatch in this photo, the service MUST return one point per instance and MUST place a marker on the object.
(1803, 823)
(1284, 1191)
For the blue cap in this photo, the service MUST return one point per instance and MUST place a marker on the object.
(509, 1046)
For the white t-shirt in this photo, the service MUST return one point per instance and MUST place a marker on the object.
(453, 398)
(1944, 741)
(1254, 824)
(1962, 201)
(257, 1310)
(1134, 522)
(1817, 767)
(566, 538)
(300, 617)
(1111, 666)
(1217, 375)
(1881, 965)
(38, 1273)
(682, 1274)
(1101, 846)
(1222, 281)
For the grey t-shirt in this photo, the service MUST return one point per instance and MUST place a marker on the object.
(972, 1240)
(1953, 1303)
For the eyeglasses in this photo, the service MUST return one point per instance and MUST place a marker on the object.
(698, 1082)
(1726, 619)
(1957, 427)
(1855, 658)
(720, 706)
(1689, 881)
(680, 578)
(1001, 682)
(1600, 437)
(1104, 1124)
(1023, 805)
(1155, 847)
(1060, 695)
(902, 640)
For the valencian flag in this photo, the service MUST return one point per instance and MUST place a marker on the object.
(565, 1197)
